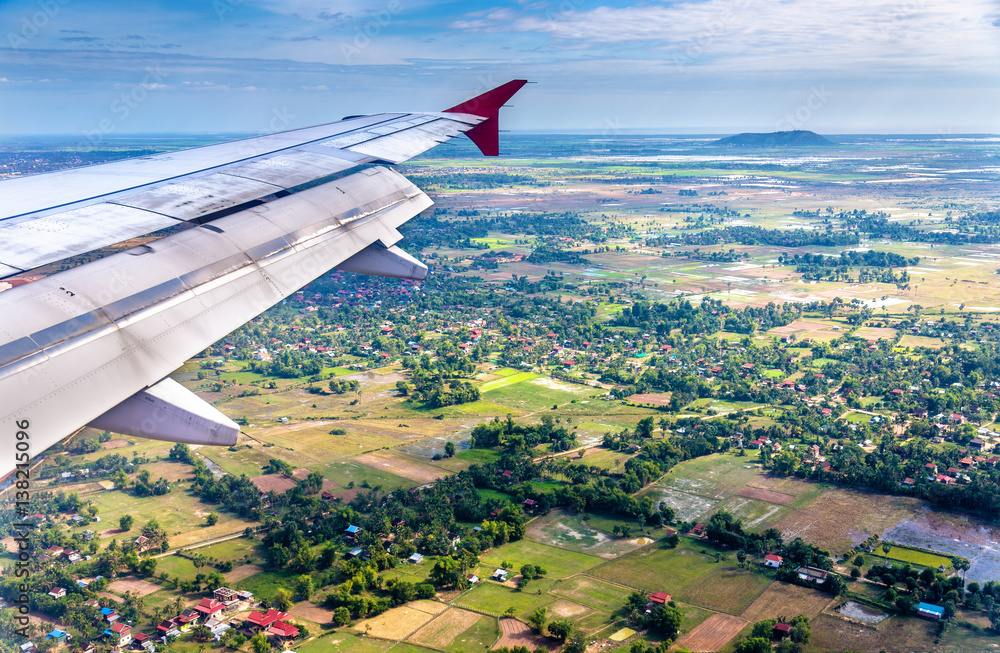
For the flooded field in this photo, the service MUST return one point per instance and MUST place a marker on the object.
(686, 506)
(571, 532)
(435, 446)
(862, 613)
(954, 535)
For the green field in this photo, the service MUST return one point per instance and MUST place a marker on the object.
(476, 638)
(726, 589)
(507, 380)
(229, 550)
(532, 395)
(655, 569)
(592, 592)
(342, 641)
(913, 556)
(486, 494)
(177, 567)
(478, 456)
(559, 563)
(692, 617)
(266, 583)
(177, 512)
(603, 458)
(494, 598)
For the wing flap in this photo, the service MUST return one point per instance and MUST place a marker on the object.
(193, 198)
(293, 169)
(168, 411)
(33, 243)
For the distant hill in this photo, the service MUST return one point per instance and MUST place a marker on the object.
(797, 138)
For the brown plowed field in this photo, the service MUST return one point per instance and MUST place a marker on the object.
(400, 466)
(765, 495)
(442, 630)
(713, 633)
(241, 572)
(140, 587)
(782, 599)
(517, 633)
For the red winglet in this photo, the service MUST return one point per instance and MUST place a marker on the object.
(486, 135)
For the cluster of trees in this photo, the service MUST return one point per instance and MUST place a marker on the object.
(851, 258)
(288, 364)
(745, 235)
(473, 180)
(519, 439)
(907, 586)
(761, 636)
(343, 386)
(710, 316)
(664, 619)
(439, 382)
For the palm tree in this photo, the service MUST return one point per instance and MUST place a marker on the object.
(886, 547)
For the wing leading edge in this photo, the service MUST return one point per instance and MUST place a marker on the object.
(94, 344)
(49, 217)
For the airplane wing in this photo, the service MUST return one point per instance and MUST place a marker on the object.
(241, 226)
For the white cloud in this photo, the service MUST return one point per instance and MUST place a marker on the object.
(793, 34)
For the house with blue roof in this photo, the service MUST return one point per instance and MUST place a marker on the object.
(60, 636)
(930, 611)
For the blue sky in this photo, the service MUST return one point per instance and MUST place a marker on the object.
(105, 67)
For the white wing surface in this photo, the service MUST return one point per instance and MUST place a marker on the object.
(255, 220)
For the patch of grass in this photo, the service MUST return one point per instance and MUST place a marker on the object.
(962, 637)
(535, 394)
(478, 456)
(654, 568)
(229, 550)
(507, 380)
(543, 486)
(693, 616)
(916, 557)
(496, 599)
(476, 638)
(727, 589)
(486, 493)
(558, 563)
(176, 567)
(344, 640)
(406, 647)
(592, 593)
(266, 583)
(603, 458)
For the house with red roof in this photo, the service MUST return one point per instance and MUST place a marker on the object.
(772, 561)
(210, 608)
(120, 634)
(168, 628)
(187, 619)
(661, 598)
(283, 631)
(258, 621)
